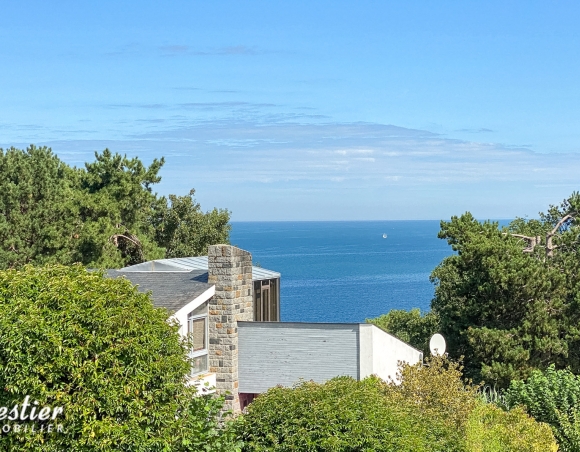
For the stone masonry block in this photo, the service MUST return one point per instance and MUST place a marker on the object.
(230, 270)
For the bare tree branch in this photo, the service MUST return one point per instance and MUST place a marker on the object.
(560, 223)
(130, 238)
(532, 242)
(549, 246)
(115, 239)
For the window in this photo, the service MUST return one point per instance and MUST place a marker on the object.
(197, 331)
(197, 327)
(266, 306)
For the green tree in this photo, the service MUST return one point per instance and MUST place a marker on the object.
(38, 218)
(184, 230)
(116, 205)
(409, 326)
(102, 215)
(98, 348)
(508, 298)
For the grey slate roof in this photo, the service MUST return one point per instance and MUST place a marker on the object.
(170, 290)
(184, 264)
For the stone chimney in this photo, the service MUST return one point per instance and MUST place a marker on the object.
(230, 270)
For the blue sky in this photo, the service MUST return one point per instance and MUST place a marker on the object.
(308, 110)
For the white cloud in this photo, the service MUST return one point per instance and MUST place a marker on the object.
(355, 166)
(301, 152)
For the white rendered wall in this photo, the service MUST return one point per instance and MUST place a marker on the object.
(380, 353)
(181, 316)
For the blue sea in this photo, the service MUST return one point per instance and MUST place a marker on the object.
(346, 271)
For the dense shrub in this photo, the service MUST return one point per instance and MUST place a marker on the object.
(99, 349)
(341, 415)
(551, 396)
(438, 389)
(490, 429)
(441, 393)
(432, 409)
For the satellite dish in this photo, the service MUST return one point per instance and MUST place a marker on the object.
(437, 345)
(384, 236)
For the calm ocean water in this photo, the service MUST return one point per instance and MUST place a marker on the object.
(346, 271)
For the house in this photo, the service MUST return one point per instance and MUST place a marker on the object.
(232, 311)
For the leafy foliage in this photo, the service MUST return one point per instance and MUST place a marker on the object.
(409, 326)
(440, 393)
(507, 303)
(102, 215)
(439, 390)
(551, 396)
(184, 230)
(115, 205)
(432, 409)
(99, 349)
(490, 429)
(340, 415)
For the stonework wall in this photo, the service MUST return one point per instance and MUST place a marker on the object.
(230, 270)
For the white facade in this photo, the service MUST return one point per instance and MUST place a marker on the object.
(380, 353)
(205, 382)
(283, 353)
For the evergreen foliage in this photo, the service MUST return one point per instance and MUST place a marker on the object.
(98, 348)
(37, 208)
(508, 299)
(102, 215)
(409, 326)
(184, 230)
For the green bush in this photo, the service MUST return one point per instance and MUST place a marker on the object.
(438, 390)
(432, 409)
(427, 412)
(98, 348)
(490, 429)
(342, 415)
(551, 396)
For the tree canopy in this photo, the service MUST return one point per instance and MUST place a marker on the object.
(98, 348)
(102, 215)
(508, 299)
